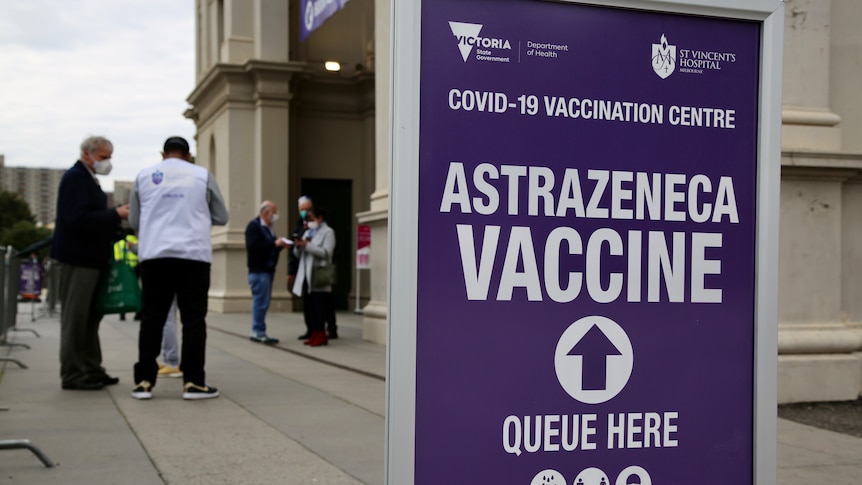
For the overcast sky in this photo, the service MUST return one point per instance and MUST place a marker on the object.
(71, 68)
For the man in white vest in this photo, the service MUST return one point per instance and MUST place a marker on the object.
(172, 206)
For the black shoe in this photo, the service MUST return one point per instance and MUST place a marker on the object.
(264, 339)
(109, 380)
(305, 336)
(193, 392)
(144, 390)
(333, 334)
(137, 316)
(84, 385)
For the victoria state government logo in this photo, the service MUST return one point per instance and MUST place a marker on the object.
(663, 58)
(487, 48)
(467, 35)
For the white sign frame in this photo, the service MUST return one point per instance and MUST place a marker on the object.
(404, 207)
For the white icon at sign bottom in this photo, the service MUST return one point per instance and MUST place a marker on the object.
(634, 475)
(591, 476)
(548, 477)
(593, 360)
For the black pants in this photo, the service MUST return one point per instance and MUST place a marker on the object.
(80, 349)
(320, 303)
(307, 310)
(331, 325)
(161, 279)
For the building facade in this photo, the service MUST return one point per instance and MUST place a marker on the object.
(273, 124)
(122, 189)
(37, 186)
(820, 256)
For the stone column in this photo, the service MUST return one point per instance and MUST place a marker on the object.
(271, 30)
(271, 162)
(239, 36)
(808, 123)
(236, 171)
(374, 316)
(817, 344)
(214, 31)
(271, 74)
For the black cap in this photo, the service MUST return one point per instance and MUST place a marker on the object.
(176, 144)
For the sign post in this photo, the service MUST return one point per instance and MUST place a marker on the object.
(583, 242)
(30, 284)
(30, 280)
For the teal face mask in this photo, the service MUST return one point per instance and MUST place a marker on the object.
(302, 214)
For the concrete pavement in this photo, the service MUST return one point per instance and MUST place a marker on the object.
(287, 415)
(282, 418)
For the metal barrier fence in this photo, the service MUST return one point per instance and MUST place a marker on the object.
(9, 289)
(13, 269)
(9, 302)
(2, 295)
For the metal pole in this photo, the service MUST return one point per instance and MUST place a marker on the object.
(2, 294)
(12, 284)
(356, 308)
(7, 323)
(18, 444)
(9, 292)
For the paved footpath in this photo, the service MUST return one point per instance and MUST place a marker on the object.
(287, 414)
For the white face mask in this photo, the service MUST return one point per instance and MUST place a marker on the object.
(313, 225)
(274, 218)
(102, 167)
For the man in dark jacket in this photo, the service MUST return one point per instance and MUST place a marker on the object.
(262, 248)
(84, 234)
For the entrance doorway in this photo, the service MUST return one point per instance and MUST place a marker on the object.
(336, 196)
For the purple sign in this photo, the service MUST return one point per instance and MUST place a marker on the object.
(30, 281)
(585, 304)
(313, 13)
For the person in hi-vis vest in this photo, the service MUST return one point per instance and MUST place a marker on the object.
(126, 249)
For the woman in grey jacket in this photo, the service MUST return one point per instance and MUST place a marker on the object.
(314, 250)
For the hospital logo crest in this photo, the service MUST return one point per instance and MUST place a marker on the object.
(158, 177)
(663, 58)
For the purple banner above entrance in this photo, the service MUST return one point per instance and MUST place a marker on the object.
(586, 245)
(312, 14)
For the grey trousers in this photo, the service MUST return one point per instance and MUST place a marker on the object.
(80, 350)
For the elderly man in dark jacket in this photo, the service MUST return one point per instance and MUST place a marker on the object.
(262, 248)
(84, 234)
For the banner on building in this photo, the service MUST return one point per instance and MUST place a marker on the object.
(313, 13)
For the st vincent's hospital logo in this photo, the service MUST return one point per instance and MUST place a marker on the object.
(467, 37)
(667, 59)
(663, 58)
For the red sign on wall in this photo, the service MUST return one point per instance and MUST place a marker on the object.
(363, 247)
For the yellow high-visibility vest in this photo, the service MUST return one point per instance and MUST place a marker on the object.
(123, 244)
